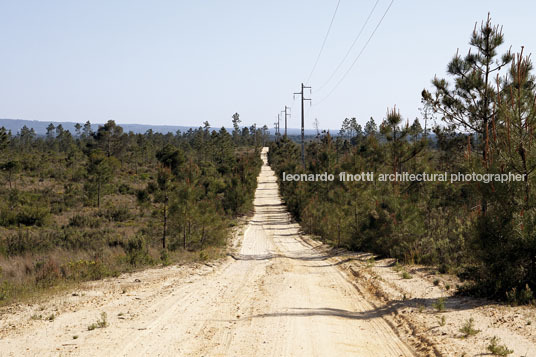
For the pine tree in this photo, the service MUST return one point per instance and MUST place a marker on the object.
(371, 128)
(469, 105)
(87, 131)
(100, 171)
(5, 138)
(236, 128)
(108, 136)
(399, 148)
(50, 131)
(514, 131)
(164, 185)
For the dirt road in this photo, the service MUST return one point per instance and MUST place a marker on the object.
(277, 296)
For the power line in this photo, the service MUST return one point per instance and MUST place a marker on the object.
(359, 55)
(324, 42)
(351, 47)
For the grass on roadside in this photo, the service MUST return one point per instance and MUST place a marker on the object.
(439, 305)
(498, 350)
(468, 328)
(100, 323)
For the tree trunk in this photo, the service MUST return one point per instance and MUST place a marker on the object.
(339, 234)
(202, 236)
(485, 127)
(98, 194)
(522, 153)
(184, 238)
(165, 226)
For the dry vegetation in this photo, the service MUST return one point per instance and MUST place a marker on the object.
(93, 205)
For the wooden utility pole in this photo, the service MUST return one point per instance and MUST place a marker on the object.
(276, 125)
(286, 116)
(302, 122)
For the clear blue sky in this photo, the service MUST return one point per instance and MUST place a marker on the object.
(183, 62)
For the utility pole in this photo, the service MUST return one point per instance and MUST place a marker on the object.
(286, 116)
(303, 122)
(278, 120)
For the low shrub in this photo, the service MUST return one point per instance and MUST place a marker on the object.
(498, 350)
(116, 213)
(101, 323)
(32, 215)
(125, 189)
(137, 251)
(439, 305)
(79, 220)
(8, 217)
(80, 270)
(5, 290)
(46, 273)
(521, 297)
(468, 328)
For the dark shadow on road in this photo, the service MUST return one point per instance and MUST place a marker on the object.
(454, 303)
(276, 255)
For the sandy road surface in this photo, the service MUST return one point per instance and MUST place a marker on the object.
(276, 297)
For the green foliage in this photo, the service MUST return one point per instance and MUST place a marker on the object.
(5, 138)
(86, 207)
(469, 105)
(100, 170)
(484, 232)
(32, 215)
(468, 328)
(164, 257)
(405, 275)
(390, 219)
(439, 304)
(5, 290)
(125, 189)
(171, 157)
(498, 350)
(523, 296)
(83, 221)
(8, 217)
(115, 213)
(442, 321)
(137, 251)
(101, 323)
(82, 270)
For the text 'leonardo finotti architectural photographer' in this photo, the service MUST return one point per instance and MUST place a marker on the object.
(406, 177)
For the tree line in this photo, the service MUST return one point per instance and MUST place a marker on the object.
(83, 205)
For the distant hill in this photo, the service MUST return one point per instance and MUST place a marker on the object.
(40, 127)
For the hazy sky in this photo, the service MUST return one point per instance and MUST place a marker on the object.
(183, 62)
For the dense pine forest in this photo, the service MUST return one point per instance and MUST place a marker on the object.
(86, 205)
(481, 118)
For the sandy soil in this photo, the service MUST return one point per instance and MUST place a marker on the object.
(279, 293)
